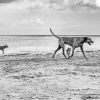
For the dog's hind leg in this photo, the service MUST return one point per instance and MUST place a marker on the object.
(64, 53)
(63, 48)
(59, 47)
(83, 52)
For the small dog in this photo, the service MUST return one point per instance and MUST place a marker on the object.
(68, 51)
(3, 47)
(74, 42)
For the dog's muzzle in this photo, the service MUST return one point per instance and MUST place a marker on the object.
(90, 42)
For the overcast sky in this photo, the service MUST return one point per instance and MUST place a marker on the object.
(35, 17)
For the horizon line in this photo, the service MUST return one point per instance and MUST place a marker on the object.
(48, 35)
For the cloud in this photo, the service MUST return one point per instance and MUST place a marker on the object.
(24, 21)
(51, 4)
(62, 4)
(39, 21)
(7, 1)
(86, 3)
(98, 3)
(80, 4)
(28, 21)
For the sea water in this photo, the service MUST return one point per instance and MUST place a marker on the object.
(38, 44)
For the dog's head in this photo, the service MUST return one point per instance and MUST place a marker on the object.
(88, 40)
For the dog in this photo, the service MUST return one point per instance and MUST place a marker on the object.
(74, 42)
(68, 51)
(3, 47)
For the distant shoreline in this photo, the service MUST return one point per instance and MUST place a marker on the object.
(52, 35)
(40, 52)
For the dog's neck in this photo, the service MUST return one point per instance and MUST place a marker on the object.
(84, 41)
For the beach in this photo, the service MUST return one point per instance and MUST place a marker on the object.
(29, 76)
(32, 32)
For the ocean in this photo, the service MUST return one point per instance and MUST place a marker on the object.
(38, 44)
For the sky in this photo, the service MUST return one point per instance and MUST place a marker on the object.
(36, 17)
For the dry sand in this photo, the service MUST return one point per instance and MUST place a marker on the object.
(39, 77)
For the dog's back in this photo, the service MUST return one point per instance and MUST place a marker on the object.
(3, 47)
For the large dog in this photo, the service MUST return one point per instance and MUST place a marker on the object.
(74, 42)
(3, 47)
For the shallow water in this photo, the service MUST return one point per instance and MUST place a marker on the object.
(22, 44)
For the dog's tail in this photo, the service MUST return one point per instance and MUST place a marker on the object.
(53, 33)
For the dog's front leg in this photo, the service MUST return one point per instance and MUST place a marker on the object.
(63, 49)
(83, 52)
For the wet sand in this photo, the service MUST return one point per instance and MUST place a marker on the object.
(40, 77)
